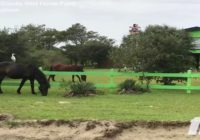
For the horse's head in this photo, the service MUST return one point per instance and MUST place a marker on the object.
(42, 80)
(44, 89)
(83, 77)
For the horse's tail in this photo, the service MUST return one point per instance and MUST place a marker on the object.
(83, 77)
(51, 68)
(81, 67)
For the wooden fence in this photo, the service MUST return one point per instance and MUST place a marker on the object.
(111, 74)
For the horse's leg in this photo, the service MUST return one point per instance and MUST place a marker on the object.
(1, 79)
(51, 77)
(21, 84)
(78, 78)
(83, 78)
(32, 86)
(73, 78)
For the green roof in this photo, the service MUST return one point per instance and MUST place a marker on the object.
(195, 51)
(195, 34)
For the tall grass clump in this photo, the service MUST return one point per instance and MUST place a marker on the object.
(81, 89)
(130, 86)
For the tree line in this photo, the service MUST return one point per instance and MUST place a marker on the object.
(36, 44)
(156, 49)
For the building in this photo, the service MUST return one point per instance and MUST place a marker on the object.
(195, 33)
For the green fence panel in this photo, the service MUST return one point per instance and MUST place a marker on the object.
(189, 81)
(111, 74)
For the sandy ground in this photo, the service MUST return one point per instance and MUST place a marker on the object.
(92, 130)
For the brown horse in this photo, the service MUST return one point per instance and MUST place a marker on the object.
(70, 68)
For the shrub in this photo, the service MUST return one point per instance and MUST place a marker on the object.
(130, 86)
(82, 89)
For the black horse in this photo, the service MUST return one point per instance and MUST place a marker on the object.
(24, 72)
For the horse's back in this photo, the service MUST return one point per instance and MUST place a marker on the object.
(63, 67)
(4, 66)
(15, 70)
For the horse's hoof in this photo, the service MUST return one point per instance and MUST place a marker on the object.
(34, 93)
(18, 92)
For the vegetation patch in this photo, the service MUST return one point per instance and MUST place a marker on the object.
(81, 89)
(130, 86)
(5, 117)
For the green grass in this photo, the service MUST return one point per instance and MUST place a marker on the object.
(157, 105)
(162, 105)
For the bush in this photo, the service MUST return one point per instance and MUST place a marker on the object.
(130, 86)
(82, 89)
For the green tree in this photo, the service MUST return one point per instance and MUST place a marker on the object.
(77, 34)
(3, 38)
(75, 37)
(163, 49)
(124, 54)
(97, 52)
(158, 49)
(32, 35)
(36, 44)
(39, 43)
(49, 38)
(10, 43)
(83, 45)
(38, 36)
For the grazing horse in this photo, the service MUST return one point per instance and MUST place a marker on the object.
(24, 72)
(63, 67)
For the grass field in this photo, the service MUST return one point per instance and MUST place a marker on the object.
(157, 105)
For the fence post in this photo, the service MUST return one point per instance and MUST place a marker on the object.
(189, 80)
(111, 79)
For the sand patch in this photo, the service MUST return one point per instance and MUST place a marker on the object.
(93, 130)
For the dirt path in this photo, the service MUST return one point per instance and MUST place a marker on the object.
(93, 130)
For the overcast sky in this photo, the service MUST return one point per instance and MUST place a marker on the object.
(108, 17)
